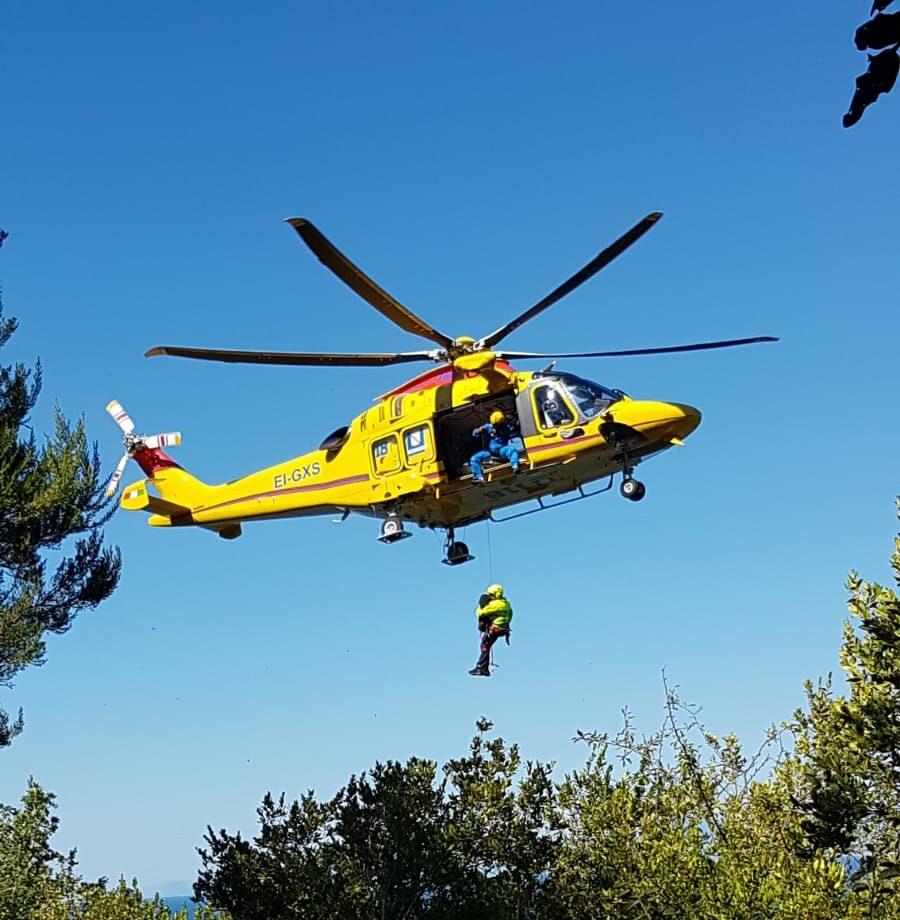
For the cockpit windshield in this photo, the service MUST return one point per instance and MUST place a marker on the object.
(590, 398)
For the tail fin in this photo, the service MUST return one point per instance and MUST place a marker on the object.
(138, 497)
(175, 485)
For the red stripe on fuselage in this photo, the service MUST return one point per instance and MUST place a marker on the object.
(591, 437)
(562, 443)
(290, 491)
(445, 375)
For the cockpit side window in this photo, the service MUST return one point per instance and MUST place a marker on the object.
(552, 408)
(590, 398)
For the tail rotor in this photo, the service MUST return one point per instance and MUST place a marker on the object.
(120, 416)
(113, 486)
(172, 439)
(134, 442)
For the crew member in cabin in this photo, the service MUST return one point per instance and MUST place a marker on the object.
(499, 433)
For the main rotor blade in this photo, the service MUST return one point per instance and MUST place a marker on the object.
(289, 357)
(700, 346)
(601, 260)
(332, 258)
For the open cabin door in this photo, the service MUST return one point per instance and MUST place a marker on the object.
(455, 443)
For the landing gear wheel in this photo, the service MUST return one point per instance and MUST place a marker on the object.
(392, 530)
(457, 553)
(632, 490)
(390, 527)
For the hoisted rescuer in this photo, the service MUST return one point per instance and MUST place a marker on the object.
(500, 432)
(494, 613)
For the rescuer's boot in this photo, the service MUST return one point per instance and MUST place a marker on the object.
(480, 672)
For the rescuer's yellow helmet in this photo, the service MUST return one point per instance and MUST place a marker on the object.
(494, 590)
(497, 417)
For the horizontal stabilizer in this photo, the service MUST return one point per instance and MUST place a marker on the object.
(137, 497)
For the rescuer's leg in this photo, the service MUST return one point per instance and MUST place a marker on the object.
(475, 464)
(483, 668)
(511, 454)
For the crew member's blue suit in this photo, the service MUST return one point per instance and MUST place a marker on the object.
(498, 446)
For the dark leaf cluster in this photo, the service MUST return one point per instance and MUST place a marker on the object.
(880, 33)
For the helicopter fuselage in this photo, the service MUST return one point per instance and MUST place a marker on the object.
(406, 457)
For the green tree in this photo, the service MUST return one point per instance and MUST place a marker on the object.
(282, 872)
(685, 824)
(31, 871)
(379, 848)
(400, 841)
(505, 830)
(849, 746)
(38, 883)
(124, 902)
(51, 501)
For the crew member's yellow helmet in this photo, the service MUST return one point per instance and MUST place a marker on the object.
(494, 590)
(497, 417)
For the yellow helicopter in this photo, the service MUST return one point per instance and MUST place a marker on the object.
(405, 459)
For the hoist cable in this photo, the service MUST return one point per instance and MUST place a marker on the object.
(490, 553)
(491, 664)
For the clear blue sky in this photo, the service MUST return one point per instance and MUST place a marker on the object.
(470, 158)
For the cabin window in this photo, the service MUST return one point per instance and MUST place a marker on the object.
(417, 443)
(386, 455)
(590, 398)
(551, 406)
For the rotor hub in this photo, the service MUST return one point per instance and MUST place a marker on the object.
(462, 345)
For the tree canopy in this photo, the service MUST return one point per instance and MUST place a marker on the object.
(52, 505)
(38, 883)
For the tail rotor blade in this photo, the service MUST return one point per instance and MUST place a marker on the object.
(116, 476)
(171, 439)
(120, 416)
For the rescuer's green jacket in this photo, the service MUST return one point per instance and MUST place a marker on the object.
(495, 608)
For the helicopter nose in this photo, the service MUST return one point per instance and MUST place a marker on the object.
(685, 419)
(658, 421)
